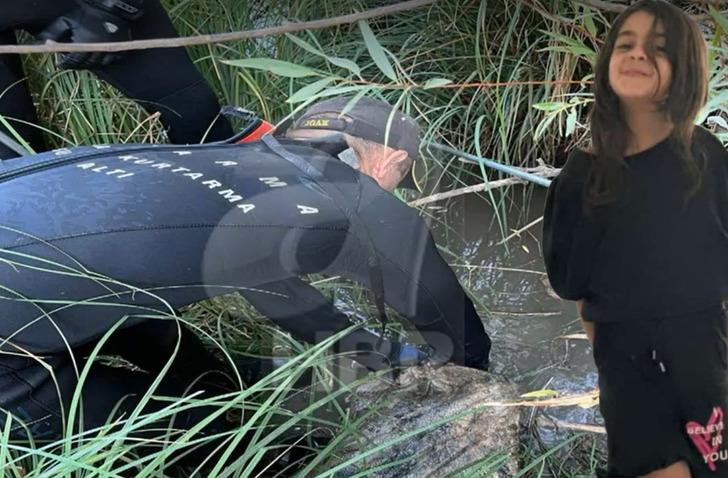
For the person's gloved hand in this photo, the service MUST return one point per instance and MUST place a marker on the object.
(409, 355)
(94, 21)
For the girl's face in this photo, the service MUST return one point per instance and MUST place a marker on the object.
(632, 76)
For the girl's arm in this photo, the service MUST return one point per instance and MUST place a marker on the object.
(588, 326)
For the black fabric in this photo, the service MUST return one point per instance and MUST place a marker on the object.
(41, 400)
(356, 227)
(89, 23)
(128, 10)
(660, 382)
(145, 230)
(163, 80)
(647, 255)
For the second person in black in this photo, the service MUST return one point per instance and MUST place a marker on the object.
(163, 80)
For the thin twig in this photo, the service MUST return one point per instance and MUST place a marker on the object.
(53, 47)
(492, 84)
(573, 337)
(583, 427)
(519, 231)
(602, 5)
(543, 171)
(618, 7)
(497, 268)
(586, 400)
(466, 190)
(480, 84)
(524, 314)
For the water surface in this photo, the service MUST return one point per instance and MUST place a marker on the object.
(526, 321)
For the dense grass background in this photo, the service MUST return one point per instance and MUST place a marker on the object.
(507, 80)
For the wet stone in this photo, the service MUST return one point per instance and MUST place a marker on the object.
(483, 439)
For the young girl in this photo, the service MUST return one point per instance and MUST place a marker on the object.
(636, 231)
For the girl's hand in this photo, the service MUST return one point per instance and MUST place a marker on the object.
(588, 326)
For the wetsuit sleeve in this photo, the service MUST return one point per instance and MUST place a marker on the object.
(569, 235)
(301, 310)
(31, 15)
(434, 301)
(167, 81)
(422, 287)
(163, 80)
(16, 104)
(418, 283)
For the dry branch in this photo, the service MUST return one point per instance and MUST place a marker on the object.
(466, 190)
(602, 5)
(543, 171)
(53, 47)
(582, 427)
(519, 231)
(584, 400)
(619, 7)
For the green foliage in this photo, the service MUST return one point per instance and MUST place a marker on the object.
(277, 67)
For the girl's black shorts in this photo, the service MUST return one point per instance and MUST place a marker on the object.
(664, 392)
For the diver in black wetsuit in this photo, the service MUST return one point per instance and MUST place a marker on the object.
(163, 80)
(147, 229)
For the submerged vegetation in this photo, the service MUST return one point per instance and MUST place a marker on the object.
(507, 80)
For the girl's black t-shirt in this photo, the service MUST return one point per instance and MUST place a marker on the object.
(649, 254)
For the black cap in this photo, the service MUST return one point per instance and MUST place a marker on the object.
(367, 119)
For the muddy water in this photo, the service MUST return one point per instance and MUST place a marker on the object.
(525, 319)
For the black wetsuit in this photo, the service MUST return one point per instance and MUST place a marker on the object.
(159, 227)
(163, 80)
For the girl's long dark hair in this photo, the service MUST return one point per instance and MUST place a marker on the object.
(686, 52)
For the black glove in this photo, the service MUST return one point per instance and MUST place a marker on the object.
(94, 21)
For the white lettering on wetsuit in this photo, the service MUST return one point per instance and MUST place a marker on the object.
(228, 194)
(307, 209)
(273, 182)
(161, 166)
(122, 173)
(212, 184)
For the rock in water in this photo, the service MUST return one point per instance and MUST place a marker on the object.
(483, 439)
